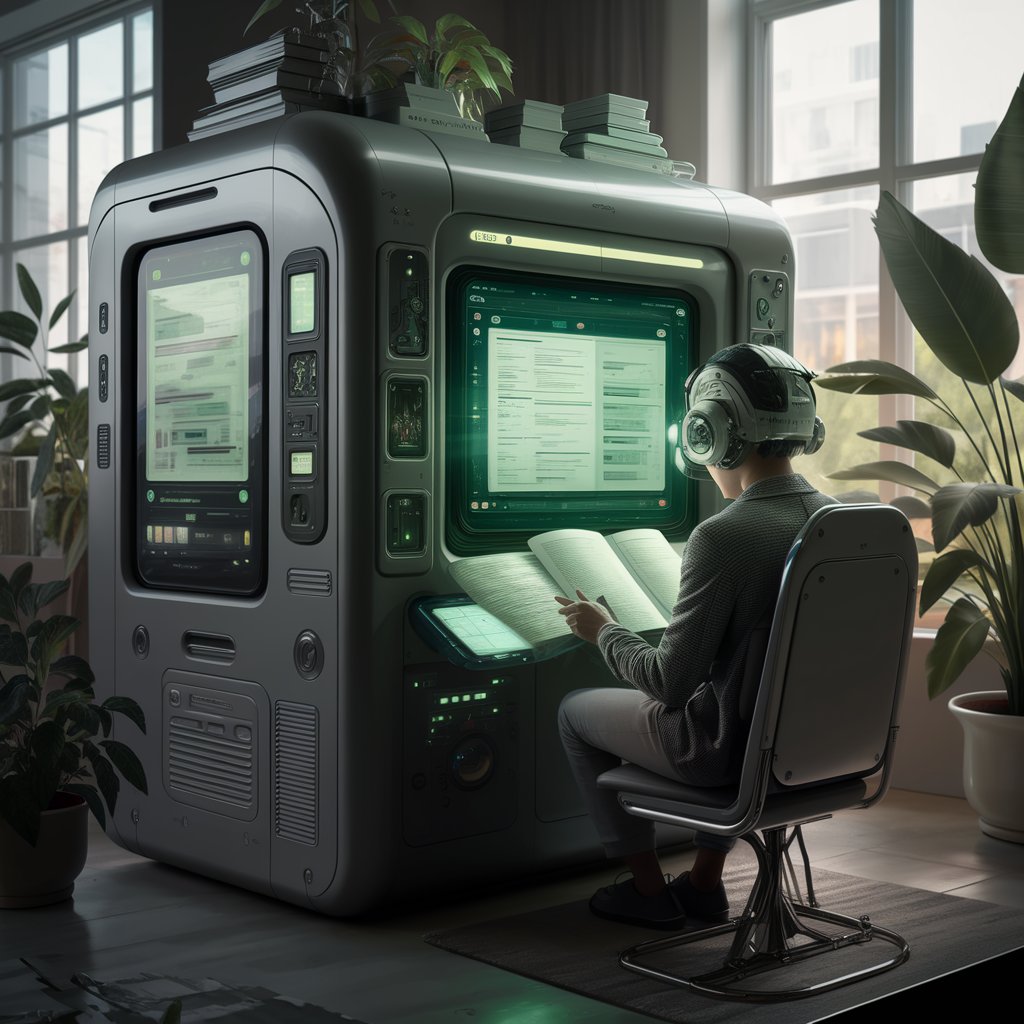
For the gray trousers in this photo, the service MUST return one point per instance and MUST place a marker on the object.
(600, 729)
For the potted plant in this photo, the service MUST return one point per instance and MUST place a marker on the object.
(966, 320)
(54, 765)
(456, 58)
(52, 415)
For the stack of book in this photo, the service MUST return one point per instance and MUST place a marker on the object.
(529, 125)
(281, 76)
(613, 129)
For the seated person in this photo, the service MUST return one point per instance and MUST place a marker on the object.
(747, 411)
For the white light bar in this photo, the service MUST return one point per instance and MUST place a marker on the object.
(576, 249)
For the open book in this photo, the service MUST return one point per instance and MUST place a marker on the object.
(635, 571)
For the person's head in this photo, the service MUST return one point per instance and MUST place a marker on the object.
(749, 407)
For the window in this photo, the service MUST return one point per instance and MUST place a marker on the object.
(909, 92)
(71, 108)
(827, 85)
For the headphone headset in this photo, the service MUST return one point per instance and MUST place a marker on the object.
(743, 395)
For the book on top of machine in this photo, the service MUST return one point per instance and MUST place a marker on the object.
(635, 571)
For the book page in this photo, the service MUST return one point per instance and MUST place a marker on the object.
(653, 563)
(584, 559)
(517, 589)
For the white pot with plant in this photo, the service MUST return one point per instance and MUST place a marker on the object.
(972, 436)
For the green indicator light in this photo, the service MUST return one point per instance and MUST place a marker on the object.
(243, 496)
(415, 686)
(494, 682)
(156, 275)
(455, 700)
(408, 536)
(150, 495)
(443, 700)
(494, 711)
(480, 696)
(245, 259)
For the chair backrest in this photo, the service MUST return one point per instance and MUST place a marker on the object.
(828, 697)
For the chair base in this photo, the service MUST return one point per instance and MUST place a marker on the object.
(770, 935)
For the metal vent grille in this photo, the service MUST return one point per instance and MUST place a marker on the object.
(210, 764)
(295, 772)
(313, 582)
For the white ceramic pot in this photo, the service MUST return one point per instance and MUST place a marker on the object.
(993, 763)
(34, 876)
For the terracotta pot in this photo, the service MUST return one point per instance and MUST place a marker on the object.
(34, 876)
(993, 762)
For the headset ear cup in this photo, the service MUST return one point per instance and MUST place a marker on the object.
(736, 453)
(704, 433)
(817, 438)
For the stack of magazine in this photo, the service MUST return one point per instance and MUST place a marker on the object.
(283, 75)
(529, 125)
(613, 129)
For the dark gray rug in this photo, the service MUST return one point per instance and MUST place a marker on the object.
(568, 947)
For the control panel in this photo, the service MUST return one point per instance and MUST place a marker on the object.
(461, 753)
(769, 308)
(304, 505)
(408, 298)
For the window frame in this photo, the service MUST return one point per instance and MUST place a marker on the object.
(32, 30)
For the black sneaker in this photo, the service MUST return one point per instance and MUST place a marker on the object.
(621, 902)
(707, 906)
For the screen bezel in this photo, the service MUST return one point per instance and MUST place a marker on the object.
(507, 531)
(198, 572)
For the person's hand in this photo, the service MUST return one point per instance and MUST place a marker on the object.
(585, 618)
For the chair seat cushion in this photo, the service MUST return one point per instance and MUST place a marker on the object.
(628, 778)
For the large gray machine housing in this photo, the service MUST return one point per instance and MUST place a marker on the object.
(290, 746)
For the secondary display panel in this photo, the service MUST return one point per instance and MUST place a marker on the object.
(199, 502)
(560, 396)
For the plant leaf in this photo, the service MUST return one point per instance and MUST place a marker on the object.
(59, 309)
(957, 642)
(945, 571)
(18, 328)
(106, 778)
(894, 472)
(999, 192)
(71, 346)
(22, 386)
(86, 717)
(14, 697)
(63, 699)
(126, 762)
(264, 8)
(65, 386)
(29, 291)
(38, 595)
(91, 797)
(13, 423)
(21, 578)
(127, 707)
(44, 460)
(73, 667)
(873, 377)
(936, 443)
(13, 351)
(957, 506)
(958, 307)
(1015, 387)
(414, 27)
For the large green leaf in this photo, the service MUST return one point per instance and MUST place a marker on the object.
(999, 192)
(21, 386)
(44, 460)
(126, 762)
(936, 443)
(945, 571)
(14, 697)
(1015, 387)
(58, 310)
(894, 472)
(18, 328)
(73, 667)
(38, 595)
(873, 377)
(959, 308)
(957, 642)
(63, 382)
(264, 8)
(29, 291)
(106, 778)
(127, 707)
(414, 27)
(957, 506)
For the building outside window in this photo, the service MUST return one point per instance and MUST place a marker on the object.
(73, 103)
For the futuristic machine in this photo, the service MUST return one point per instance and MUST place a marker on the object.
(329, 356)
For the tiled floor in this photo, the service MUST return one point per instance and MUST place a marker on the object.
(131, 915)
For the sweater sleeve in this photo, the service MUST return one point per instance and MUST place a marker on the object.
(673, 670)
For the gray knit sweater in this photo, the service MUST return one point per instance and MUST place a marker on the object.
(731, 569)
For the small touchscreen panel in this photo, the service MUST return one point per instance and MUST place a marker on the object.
(199, 501)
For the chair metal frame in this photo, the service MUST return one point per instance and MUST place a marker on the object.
(805, 757)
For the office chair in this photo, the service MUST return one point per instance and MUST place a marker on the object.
(823, 722)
